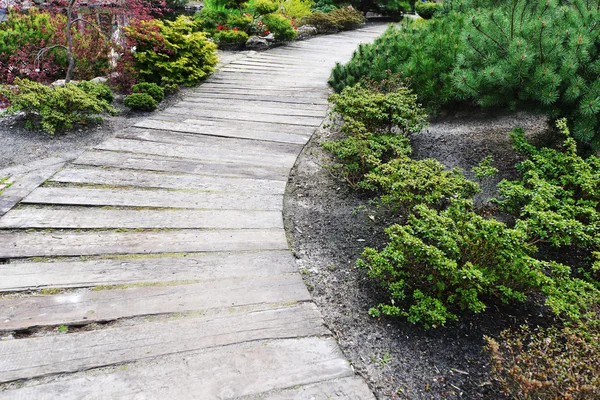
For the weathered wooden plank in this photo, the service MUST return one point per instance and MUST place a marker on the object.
(38, 357)
(350, 388)
(247, 154)
(225, 372)
(229, 95)
(153, 198)
(245, 116)
(240, 145)
(256, 91)
(196, 127)
(20, 276)
(47, 244)
(168, 164)
(250, 102)
(93, 218)
(148, 179)
(86, 306)
(260, 108)
(25, 185)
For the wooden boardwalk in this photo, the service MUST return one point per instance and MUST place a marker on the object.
(155, 265)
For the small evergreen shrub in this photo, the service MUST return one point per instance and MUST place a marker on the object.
(231, 38)
(281, 27)
(403, 182)
(264, 7)
(426, 9)
(140, 102)
(343, 19)
(155, 91)
(554, 363)
(239, 22)
(171, 51)
(54, 109)
(374, 129)
(296, 9)
(557, 199)
(96, 89)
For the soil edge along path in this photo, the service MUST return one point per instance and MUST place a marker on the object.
(155, 264)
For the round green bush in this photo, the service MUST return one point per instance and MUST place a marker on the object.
(140, 102)
(426, 9)
(230, 38)
(281, 27)
(152, 89)
(263, 7)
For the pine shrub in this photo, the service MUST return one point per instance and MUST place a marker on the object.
(426, 9)
(281, 27)
(422, 54)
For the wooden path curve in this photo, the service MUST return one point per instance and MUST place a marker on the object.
(155, 265)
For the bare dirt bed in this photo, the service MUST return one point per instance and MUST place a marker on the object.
(329, 224)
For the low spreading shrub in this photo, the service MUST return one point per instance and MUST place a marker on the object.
(155, 91)
(342, 19)
(54, 109)
(404, 182)
(557, 199)
(264, 7)
(170, 51)
(140, 102)
(281, 27)
(554, 363)
(426, 9)
(230, 38)
(96, 89)
(374, 129)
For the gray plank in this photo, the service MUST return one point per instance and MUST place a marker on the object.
(247, 154)
(93, 218)
(197, 127)
(224, 96)
(25, 185)
(148, 179)
(244, 116)
(259, 108)
(38, 357)
(350, 388)
(221, 373)
(248, 102)
(45, 244)
(20, 276)
(154, 198)
(87, 306)
(170, 164)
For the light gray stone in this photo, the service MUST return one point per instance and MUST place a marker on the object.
(100, 79)
(306, 31)
(257, 43)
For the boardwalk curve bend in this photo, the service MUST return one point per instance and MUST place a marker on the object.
(155, 265)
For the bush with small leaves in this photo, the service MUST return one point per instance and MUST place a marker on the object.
(54, 109)
(342, 19)
(281, 27)
(96, 89)
(230, 38)
(140, 102)
(404, 182)
(426, 9)
(443, 263)
(264, 7)
(155, 91)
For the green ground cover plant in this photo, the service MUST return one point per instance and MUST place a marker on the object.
(426, 9)
(155, 91)
(342, 19)
(140, 102)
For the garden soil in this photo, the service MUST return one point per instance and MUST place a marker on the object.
(329, 224)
